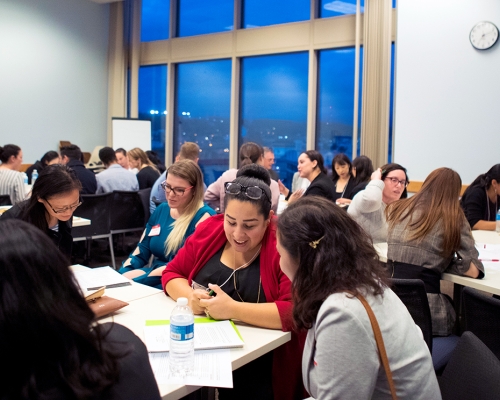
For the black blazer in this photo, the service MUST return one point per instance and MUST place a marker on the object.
(323, 186)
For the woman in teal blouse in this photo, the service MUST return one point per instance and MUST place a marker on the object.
(170, 224)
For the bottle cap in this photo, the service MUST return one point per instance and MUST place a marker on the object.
(182, 301)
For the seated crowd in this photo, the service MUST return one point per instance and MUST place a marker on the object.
(312, 271)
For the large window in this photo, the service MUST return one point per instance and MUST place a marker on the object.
(334, 8)
(270, 12)
(274, 107)
(202, 113)
(155, 20)
(335, 103)
(153, 103)
(198, 17)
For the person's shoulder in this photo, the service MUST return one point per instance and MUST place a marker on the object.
(206, 209)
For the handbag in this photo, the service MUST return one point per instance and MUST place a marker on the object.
(103, 305)
(380, 344)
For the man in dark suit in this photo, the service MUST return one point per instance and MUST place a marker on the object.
(72, 157)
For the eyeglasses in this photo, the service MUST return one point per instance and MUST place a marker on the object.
(177, 191)
(64, 209)
(252, 192)
(395, 181)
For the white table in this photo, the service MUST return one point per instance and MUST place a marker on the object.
(258, 341)
(78, 221)
(130, 293)
(491, 281)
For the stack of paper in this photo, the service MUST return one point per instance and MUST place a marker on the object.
(94, 278)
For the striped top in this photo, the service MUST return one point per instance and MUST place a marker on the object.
(12, 183)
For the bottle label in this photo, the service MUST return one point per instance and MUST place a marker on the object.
(181, 332)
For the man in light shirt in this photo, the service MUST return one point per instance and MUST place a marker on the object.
(114, 177)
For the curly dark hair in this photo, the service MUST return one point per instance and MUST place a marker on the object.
(343, 260)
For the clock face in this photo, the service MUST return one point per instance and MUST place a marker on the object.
(483, 35)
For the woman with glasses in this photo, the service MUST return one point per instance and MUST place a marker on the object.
(54, 197)
(170, 225)
(233, 255)
(367, 208)
(428, 235)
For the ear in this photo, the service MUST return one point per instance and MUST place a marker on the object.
(316, 164)
(268, 220)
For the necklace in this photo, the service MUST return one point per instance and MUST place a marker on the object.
(241, 267)
(345, 186)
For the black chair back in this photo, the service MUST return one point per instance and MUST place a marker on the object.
(127, 212)
(412, 294)
(472, 373)
(96, 208)
(144, 194)
(5, 200)
(482, 318)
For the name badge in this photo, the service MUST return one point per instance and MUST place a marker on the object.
(155, 230)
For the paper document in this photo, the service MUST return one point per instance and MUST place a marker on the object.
(211, 368)
(488, 252)
(95, 278)
(208, 334)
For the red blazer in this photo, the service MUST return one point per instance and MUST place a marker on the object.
(207, 239)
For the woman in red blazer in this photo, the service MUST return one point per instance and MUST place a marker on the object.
(234, 255)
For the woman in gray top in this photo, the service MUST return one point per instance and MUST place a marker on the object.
(330, 260)
(428, 235)
(387, 185)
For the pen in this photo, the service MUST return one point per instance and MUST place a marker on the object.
(493, 260)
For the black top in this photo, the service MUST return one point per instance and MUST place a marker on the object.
(85, 176)
(147, 177)
(323, 186)
(347, 192)
(62, 239)
(477, 206)
(135, 377)
(38, 166)
(248, 283)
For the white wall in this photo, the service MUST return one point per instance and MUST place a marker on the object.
(53, 74)
(447, 93)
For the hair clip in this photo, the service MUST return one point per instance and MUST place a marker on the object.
(315, 243)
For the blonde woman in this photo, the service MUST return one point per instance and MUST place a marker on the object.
(170, 225)
(148, 173)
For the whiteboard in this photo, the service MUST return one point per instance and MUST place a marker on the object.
(130, 133)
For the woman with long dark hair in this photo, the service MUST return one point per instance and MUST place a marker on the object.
(343, 179)
(388, 184)
(311, 166)
(234, 255)
(481, 200)
(54, 198)
(428, 235)
(48, 336)
(333, 266)
(362, 170)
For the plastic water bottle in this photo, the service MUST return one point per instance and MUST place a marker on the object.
(181, 339)
(34, 176)
(498, 222)
(25, 178)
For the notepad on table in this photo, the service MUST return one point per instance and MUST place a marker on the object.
(95, 278)
(208, 334)
(488, 252)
